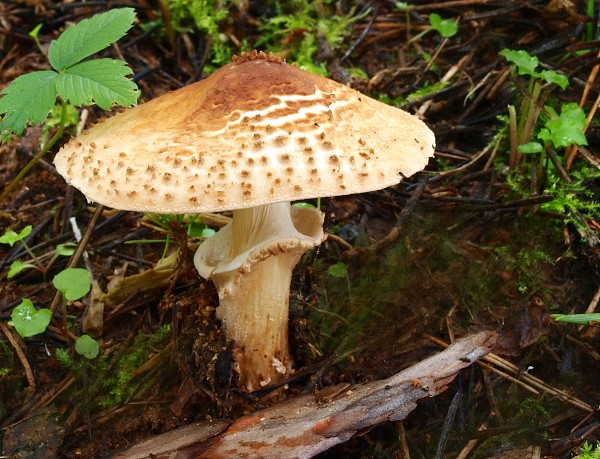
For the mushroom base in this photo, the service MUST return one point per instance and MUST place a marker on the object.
(255, 317)
(251, 261)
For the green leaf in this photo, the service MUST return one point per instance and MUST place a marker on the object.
(66, 250)
(27, 321)
(530, 147)
(36, 30)
(196, 229)
(100, 81)
(304, 205)
(10, 237)
(526, 64)
(29, 98)
(445, 27)
(551, 76)
(338, 270)
(565, 129)
(87, 346)
(74, 283)
(16, 267)
(89, 36)
(579, 319)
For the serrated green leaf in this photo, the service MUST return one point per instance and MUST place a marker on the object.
(89, 36)
(565, 129)
(526, 64)
(29, 98)
(551, 76)
(100, 81)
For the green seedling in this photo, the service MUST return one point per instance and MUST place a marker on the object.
(62, 250)
(17, 266)
(539, 133)
(73, 283)
(527, 65)
(87, 347)
(588, 451)
(11, 238)
(523, 124)
(35, 35)
(77, 81)
(28, 321)
(445, 27)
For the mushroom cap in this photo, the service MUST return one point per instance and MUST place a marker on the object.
(254, 132)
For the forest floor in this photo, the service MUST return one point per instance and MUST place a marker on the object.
(492, 239)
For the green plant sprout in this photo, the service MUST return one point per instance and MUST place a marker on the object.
(35, 35)
(523, 125)
(555, 131)
(11, 238)
(588, 451)
(87, 347)
(30, 97)
(73, 283)
(445, 27)
(28, 321)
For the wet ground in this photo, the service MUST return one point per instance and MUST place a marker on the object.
(471, 253)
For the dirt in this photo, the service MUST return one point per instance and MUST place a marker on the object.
(472, 255)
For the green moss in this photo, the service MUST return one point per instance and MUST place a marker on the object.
(119, 383)
(296, 26)
(430, 271)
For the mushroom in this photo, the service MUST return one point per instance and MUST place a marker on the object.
(253, 136)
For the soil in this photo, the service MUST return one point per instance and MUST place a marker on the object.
(470, 253)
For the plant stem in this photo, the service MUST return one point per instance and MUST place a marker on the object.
(514, 137)
(34, 258)
(61, 127)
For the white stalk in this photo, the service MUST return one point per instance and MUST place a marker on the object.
(251, 262)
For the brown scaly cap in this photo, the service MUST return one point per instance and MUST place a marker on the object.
(254, 132)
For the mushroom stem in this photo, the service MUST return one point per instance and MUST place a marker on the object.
(251, 262)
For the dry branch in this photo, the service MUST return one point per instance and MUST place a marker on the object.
(309, 424)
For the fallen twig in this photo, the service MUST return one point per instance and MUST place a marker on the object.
(309, 424)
